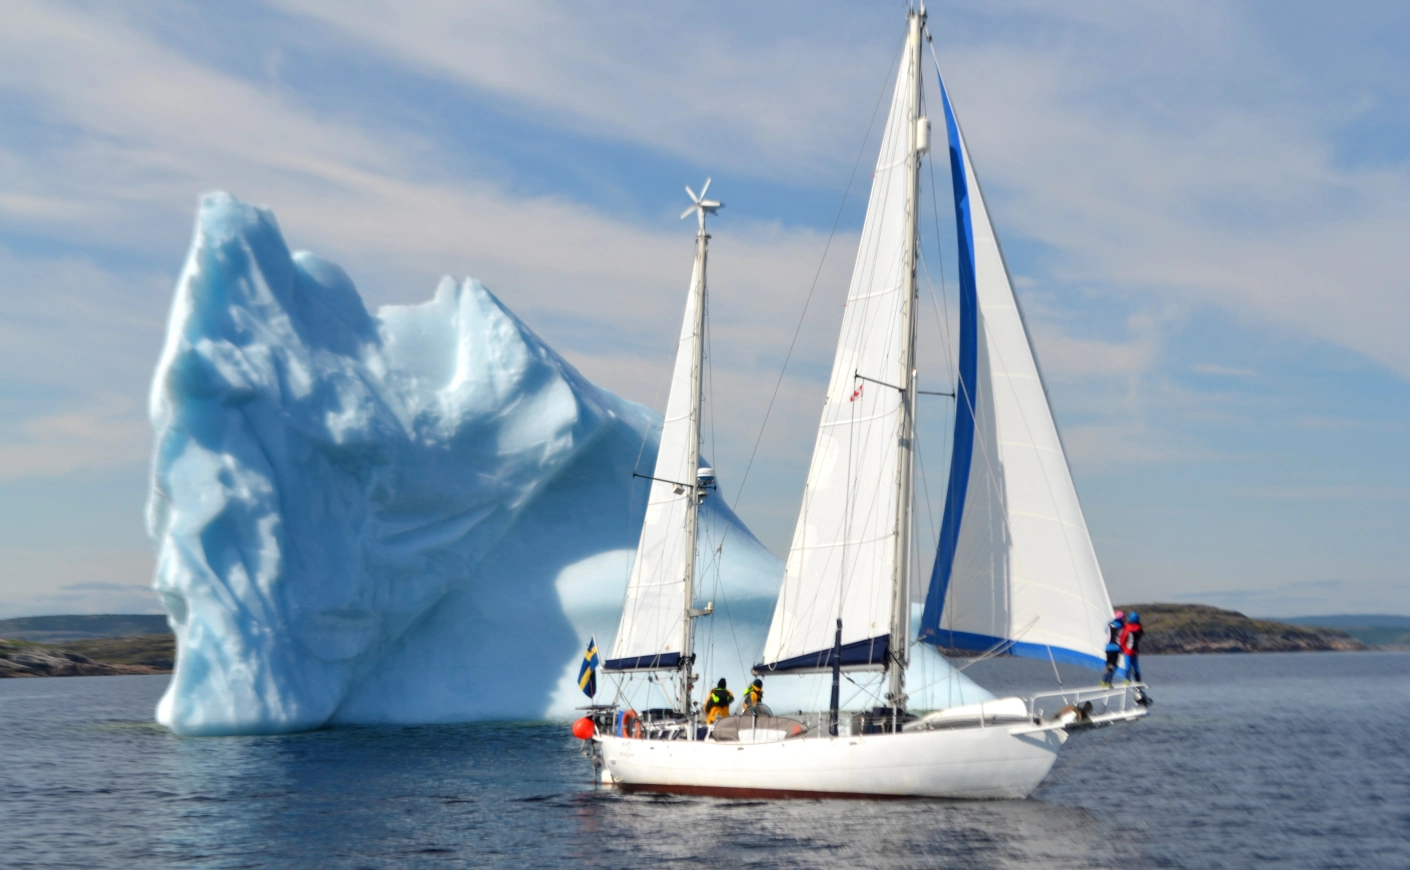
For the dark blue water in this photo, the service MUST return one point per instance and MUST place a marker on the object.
(1297, 760)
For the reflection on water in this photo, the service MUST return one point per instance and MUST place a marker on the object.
(616, 830)
(1297, 760)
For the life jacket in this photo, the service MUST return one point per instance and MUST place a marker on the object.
(753, 695)
(1131, 639)
(721, 698)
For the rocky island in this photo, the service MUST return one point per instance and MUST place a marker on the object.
(1199, 628)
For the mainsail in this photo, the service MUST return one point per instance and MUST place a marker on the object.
(654, 631)
(1015, 571)
(843, 560)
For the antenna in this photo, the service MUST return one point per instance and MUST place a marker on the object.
(701, 205)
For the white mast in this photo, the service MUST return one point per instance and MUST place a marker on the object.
(655, 632)
(701, 206)
(901, 602)
(849, 553)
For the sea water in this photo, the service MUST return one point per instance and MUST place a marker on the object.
(1288, 760)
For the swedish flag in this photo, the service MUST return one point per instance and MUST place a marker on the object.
(587, 677)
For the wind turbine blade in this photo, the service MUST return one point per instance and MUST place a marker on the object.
(705, 188)
(688, 212)
(693, 197)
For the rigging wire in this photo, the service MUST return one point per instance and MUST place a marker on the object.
(837, 219)
(717, 556)
(812, 290)
(944, 290)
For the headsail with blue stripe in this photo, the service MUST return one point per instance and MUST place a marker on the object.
(1015, 571)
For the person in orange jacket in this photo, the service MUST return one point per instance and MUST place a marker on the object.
(753, 697)
(718, 704)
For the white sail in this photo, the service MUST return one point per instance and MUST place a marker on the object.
(653, 630)
(842, 562)
(1016, 569)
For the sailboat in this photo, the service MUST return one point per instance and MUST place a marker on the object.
(1015, 572)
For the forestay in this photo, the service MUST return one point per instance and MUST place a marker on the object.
(652, 633)
(1015, 571)
(842, 560)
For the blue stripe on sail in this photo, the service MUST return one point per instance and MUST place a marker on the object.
(871, 651)
(963, 453)
(984, 643)
(643, 663)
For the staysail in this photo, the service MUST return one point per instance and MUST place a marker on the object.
(1015, 570)
(653, 633)
(843, 559)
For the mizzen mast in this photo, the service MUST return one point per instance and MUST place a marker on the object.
(655, 632)
(701, 207)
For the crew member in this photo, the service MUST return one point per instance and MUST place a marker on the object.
(753, 696)
(717, 705)
(1113, 645)
(1131, 646)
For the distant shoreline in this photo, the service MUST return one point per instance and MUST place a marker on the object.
(136, 644)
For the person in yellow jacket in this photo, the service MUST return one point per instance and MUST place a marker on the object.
(717, 705)
(753, 696)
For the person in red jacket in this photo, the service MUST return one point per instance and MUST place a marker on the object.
(1131, 646)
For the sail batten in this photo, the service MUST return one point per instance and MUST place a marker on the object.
(1015, 571)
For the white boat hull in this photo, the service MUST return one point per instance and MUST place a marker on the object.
(989, 762)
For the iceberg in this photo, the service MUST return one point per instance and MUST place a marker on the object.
(415, 516)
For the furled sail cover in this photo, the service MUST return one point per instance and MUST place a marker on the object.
(652, 631)
(843, 555)
(1015, 571)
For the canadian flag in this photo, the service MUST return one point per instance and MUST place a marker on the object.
(856, 394)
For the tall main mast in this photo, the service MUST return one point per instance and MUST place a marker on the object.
(901, 603)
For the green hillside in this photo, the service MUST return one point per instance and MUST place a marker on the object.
(95, 657)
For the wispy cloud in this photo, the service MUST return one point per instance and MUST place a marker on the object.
(699, 82)
(113, 432)
(1324, 493)
(1165, 184)
(1308, 597)
(1223, 371)
(1321, 422)
(78, 580)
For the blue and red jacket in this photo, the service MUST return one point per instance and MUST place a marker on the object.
(1131, 638)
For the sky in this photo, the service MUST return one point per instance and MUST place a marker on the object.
(1205, 207)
